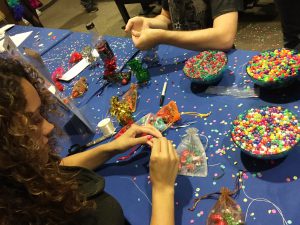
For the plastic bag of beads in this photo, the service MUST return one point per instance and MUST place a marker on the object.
(142, 74)
(130, 97)
(153, 120)
(226, 211)
(151, 57)
(169, 113)
(192, 155)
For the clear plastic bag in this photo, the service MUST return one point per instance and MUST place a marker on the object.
(151, 57)
(226, 211)
(192, 155)
(233, 91)
(153, 120)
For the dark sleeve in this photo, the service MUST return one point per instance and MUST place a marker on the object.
(165, 5)
(107, 211)
(220, 7)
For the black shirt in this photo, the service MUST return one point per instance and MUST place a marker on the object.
(196, 14)
(108, 210)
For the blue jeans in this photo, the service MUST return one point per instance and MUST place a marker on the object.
(87, 4)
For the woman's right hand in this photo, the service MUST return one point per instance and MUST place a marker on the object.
(163, 164)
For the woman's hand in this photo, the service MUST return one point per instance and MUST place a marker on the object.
(95, 157)
(163, 164)
(163, 171)
(136, 135)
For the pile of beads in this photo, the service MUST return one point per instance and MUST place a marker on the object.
(206, 65)
(274, 66)
(191, 161)
(266, 131)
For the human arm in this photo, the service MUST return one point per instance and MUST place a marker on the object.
(95, 157)
(163, 171)
(220, 36)
(139, 23)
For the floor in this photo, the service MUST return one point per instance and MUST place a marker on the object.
(259, 27)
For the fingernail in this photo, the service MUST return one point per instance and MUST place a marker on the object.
(149, 137)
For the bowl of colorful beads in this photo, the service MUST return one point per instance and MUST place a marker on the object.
(268, 132)
(206, 68)
(274, 68)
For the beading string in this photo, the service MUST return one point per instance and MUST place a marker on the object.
(106, 126)
(201, 115)
(215, 195)
(284, 221)
(240, 186)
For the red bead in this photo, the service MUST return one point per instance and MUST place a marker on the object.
(124, 81)
(75, 94)
(75, 57)
(185, 153)
(222, 222)
(216, 217)
(59, 86)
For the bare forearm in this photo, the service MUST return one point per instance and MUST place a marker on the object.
(197, 40)
(159, 22)
(220, 36)
(162, 207)
(92, 158)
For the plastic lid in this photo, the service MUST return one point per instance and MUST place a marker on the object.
(90, 26)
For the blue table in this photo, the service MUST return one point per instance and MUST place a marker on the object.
(275, 181)
(40, 40)
(268, 185)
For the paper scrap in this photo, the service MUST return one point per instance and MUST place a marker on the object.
(75, 70)
(19, 38)
(5, 28)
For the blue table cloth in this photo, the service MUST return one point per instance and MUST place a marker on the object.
(40, 40)
(59, 56)
(270, 193)
(270, 187)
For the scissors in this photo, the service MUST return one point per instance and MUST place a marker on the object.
(76, 148)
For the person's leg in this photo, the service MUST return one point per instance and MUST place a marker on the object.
(89, 5)
(31, 18)
(289, 12)
(30, 14)
(7, 12)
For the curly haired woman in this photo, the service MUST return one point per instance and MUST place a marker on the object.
(38, 187)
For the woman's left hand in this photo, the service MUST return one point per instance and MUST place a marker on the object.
(132, 137)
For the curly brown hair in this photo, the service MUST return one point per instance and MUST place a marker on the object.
(31, 192)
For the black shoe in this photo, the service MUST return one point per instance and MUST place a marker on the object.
(92, 9)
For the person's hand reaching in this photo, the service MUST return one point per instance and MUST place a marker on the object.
(136, 135)
(163, 165)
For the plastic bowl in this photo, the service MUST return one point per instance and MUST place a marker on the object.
(267, 62)
(256, 121)
(198, 67)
